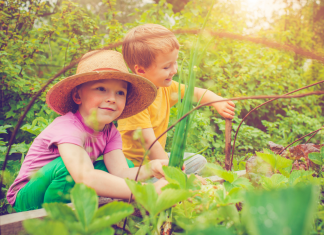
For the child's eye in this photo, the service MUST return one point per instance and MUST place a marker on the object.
(120, 93)
(166, 67)
(101, 89)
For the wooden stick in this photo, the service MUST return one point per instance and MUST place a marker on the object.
(228, 130)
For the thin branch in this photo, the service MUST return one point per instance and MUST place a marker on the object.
(236, 133)
(311, 137)
(300, 139)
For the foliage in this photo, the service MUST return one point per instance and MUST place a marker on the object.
(40, 37)
(288, 211)
(86, 219)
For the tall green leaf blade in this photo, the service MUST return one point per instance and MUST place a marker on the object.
(85, 201)
(180, 135)
(285, 211)
(144, 194)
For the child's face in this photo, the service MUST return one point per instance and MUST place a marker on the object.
(160, 73)
(105, 98)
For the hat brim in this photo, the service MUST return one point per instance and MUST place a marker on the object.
(141, 92)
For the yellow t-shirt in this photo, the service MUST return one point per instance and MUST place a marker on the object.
(156, 116)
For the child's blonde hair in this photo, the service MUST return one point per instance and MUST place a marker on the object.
(142, 43)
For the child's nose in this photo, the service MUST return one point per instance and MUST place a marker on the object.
(174, 69)
(111, 98)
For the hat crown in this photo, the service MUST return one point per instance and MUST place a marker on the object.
(101, 59)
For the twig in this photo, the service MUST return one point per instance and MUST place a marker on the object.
(300, 139)
(236, 133)
(232, 99)
(311, 137)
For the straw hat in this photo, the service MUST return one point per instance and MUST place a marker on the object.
(97, 65)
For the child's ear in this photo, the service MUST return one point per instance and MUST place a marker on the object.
(139, 70)
(75, 96)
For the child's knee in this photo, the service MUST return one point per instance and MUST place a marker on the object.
(194, 164)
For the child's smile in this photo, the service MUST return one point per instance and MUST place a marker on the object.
(101, 101)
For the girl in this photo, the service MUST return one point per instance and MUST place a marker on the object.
(65, 153)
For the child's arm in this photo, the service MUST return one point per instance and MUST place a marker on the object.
(81, 169)
(225, 109)
(116, 164)
(157, 151)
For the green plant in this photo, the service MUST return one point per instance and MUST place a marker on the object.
(286, 211)
(318, 159)
(155, 204)
(85, 219)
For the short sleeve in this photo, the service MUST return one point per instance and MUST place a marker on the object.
(140, 120)
(114, 141)
(65, 131)
(174, 91)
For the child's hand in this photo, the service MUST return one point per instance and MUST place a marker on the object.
(225, 109)
(156, 167)
(160, 184)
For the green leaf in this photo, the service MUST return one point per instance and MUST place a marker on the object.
(316, 158)
(285, 211)
(168, 198)
(110, 214)
(85, 201)
(276, 161)
(229, 213)
(175, 176)
(60, 211)
(269, 158)
(145, 194)
(226, 175)
(114, 208)
(106, 231)
(41, 227)
(276, 181)
(212, 230)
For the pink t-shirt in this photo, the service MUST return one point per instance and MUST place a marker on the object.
(69, 128)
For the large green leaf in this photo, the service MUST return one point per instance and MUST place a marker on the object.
(242, 182)
(41, 227)
(114, 208)
(60, 211)
(267, 157)
(212, 230)
(317, 158)
(106, 231)
(276, 161)
(85, 201)
(284, 211)
(168, 198)
(145, 194)
(175, 176)
(110, 214)
(179, 180)
(276, 181)
(226, 175)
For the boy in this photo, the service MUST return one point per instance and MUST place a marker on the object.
(151, 51)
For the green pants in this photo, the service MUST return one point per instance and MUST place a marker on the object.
(51, 183)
